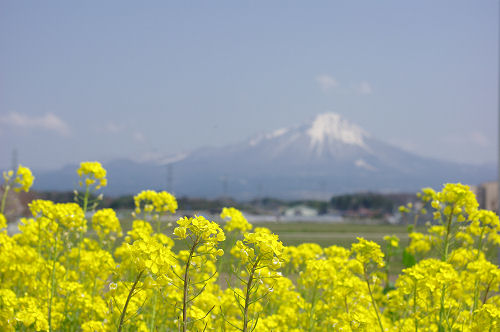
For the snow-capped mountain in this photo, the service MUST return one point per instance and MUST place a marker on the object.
(328, 135)
(316, 159)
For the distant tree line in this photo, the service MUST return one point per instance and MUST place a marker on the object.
(386, 203)
(369, 201)
(383, 203)
(127, 202)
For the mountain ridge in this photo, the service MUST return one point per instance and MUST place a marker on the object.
(316, 159)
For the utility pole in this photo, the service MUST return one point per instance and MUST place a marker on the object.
(14, 159)
(224, 186)
(170, 178)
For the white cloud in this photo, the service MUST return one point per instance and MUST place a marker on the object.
(112, 128)
(365, 88)
(49, 121)
(327, 82)
(474, 137)
(407, 145)
(138, 137)
(479, 138)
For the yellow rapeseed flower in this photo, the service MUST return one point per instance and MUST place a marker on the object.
(24, 179)
(201, 228)
(392, 240)
(105, 221)
(368, 251)
(235, 220)
(456, 199)
(3, 221)
(92, 172)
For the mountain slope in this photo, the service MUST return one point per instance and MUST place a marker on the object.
(316, 159)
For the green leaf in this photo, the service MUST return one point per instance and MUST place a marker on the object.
(408, 259)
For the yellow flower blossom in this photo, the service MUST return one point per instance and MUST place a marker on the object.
(367, 252)
(150, 200)
(23, 179)
(92, 173)
(3, 221)
(105, 222)
(151, 255)
(235, 220)
(392, 240)
(206, 230)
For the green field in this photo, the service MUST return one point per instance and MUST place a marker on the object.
(327, 234)
(323, 233)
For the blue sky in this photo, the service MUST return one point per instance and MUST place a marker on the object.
(98, 80)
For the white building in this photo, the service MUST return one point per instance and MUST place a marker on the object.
(487, 195)
(300, 211)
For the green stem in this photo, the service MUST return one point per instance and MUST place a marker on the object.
(80, 237)
(153, 318)
(39, 246)
(95, 286)
(52, 284)
(4, 198)
(485, 297)
(415, 306)
(186, 286)
(476, 283)
(441, 310)
(158, 223)
(247, 296)
(86, 199)
(389, 251)
(444, 258)
(480, 244)
(124, 311)
(313, 303)
(375, 307)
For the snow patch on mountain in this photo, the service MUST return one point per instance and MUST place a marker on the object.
(330, 127)
(363, 164)
(274, 134)
(173, 158)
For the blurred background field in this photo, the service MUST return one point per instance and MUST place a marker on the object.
(340, 234)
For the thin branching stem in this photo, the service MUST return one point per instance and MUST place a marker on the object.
(247, 296)
(130, 293)
(375, 307)
(52, 284)
(444, 258)
(186, 285)
(4, 198)
(476, 283)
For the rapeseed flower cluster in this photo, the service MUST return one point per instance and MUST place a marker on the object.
(105, 222)
(3, 221)
(150, 200)
(201, 229)
(234, 220)
(455, 200)
(261, 247)
(71, 268)
(92, 173)
(92, 177)
(21, 180)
